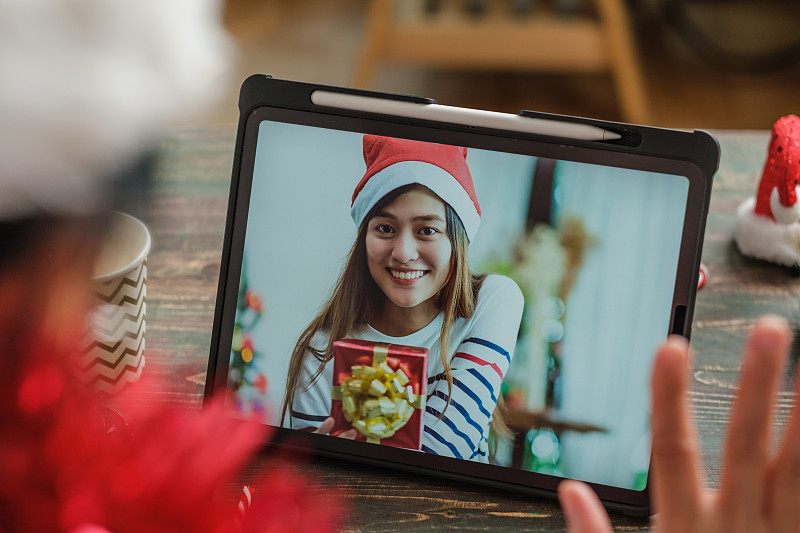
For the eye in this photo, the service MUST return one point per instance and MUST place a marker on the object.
(428, 231)
(384, 228)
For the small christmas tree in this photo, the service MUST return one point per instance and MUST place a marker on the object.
(248, 384)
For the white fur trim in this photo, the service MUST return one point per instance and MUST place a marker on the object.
(758, 236)
(431, 176)
(783, 214)
(86, 84)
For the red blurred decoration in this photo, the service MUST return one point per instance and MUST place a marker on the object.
(254, 301)
(260, 383)
(703, 277)
(247, 342)
(67, 467)
(515, 399)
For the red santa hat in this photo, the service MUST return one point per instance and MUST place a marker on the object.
(768, 224)
(393, 163)
(776, 197)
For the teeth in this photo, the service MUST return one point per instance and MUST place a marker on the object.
(408, 275)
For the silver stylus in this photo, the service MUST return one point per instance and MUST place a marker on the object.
(462, 115)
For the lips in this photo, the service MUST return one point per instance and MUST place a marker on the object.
(406, 274)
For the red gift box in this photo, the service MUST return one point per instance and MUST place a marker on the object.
(380, 390)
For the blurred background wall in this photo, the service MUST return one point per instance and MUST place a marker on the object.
(702, 63)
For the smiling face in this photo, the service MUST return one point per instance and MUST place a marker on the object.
(408, 252)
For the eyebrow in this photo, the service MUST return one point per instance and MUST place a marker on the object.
(420, 218)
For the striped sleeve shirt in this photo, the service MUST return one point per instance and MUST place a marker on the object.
(481, 348)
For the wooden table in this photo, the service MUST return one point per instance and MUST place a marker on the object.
(187, 217)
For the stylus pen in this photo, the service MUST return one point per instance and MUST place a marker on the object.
(462, 115)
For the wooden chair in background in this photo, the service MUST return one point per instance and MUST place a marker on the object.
(450, 36)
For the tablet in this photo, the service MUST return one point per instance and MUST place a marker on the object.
(463, 293)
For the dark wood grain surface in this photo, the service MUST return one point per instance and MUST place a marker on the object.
(187, 218)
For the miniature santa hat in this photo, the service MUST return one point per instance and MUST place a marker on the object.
(86, 84)
(393, 163)
(767, 225)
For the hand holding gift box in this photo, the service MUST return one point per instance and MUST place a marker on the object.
(379, 389)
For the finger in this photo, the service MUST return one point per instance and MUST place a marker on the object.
(677, 480)
(349, 434)
(582, 508)
(783, 491)
(747, 444)
(326, 426)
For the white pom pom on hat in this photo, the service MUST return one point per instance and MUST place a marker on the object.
(86, 86)
(393, 163)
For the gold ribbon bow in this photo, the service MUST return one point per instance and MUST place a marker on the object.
(377, 399)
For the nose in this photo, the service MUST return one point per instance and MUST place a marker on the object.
(405, 248)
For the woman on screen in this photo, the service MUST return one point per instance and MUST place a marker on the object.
(406, 281)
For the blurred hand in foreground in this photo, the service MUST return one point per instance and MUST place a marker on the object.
(759, 491)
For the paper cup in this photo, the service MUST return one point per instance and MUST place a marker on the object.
(113, 353)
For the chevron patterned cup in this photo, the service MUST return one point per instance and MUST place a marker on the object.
(113, 351)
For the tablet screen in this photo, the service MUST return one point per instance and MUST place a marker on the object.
(574, 266)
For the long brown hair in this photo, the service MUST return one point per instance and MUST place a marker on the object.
(356, 298)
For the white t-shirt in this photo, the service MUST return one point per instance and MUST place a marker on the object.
(482, 346)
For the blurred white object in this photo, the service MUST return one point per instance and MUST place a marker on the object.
(87, 83)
